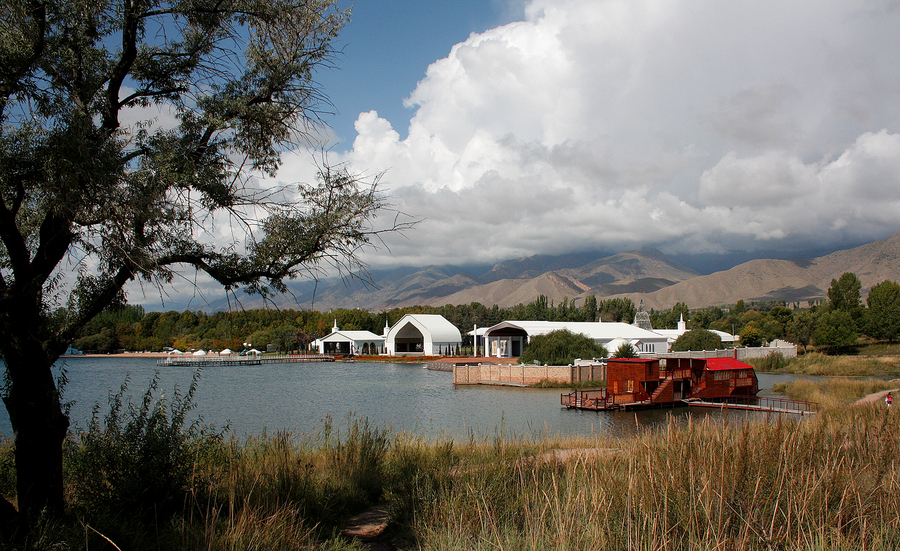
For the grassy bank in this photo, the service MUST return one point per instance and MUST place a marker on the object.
(823, 365)
(824, 483)
(139, 478)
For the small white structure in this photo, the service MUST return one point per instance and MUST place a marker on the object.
(200, 352)
(349, 342)
(226, 352)
(509, 338)
(425, 334)
(673, 334)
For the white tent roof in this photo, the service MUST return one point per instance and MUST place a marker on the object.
(226, 352)
(355, 336)
(598, 331)
(200, 352)
(435, 325)
(673, 334)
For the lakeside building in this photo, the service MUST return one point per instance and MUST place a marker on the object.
(509, 338)
(349, 342)
(422, 334)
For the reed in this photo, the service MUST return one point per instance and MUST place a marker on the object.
(826, 484)
(835, 392)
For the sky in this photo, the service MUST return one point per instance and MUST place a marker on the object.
(511, 128)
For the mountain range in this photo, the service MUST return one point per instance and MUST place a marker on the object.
(644, 274)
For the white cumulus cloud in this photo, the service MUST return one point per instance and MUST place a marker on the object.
(689, 125)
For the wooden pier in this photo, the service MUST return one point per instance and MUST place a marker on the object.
(601, 400)
(757, 403)
(256, 359)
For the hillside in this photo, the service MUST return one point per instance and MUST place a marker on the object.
(789, 280)
(642, 274)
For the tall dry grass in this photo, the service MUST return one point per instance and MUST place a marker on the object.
(827, 483)
(834, 393)
(823, 365)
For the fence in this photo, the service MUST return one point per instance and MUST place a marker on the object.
(528, 374)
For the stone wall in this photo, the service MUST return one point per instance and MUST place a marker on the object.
(786, 349)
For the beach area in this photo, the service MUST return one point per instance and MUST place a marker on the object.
(121, 355)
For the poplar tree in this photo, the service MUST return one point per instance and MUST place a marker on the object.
(132, 137)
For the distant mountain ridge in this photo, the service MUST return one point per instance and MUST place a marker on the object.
(789, 280)
(646, 274)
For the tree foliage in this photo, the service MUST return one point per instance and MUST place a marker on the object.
(752, 336)
(697, 339)
(625, 350)
(131, 133)
(617, 309)
(844, 293)
(835, 330)
(882, 319)
(561, 347)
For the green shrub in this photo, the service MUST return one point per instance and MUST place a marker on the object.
(137, 461)
(772, 362)
(626, 350)
(561, 347)
(697, 339)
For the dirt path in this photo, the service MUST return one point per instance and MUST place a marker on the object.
(878, 397)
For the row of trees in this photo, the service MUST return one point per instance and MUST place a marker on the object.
(832, 325)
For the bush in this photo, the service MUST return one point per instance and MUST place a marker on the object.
(772, 362)
(136, 463)
(626, 350)
(697, 339)
(561, 347)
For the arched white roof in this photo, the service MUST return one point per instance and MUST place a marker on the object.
(355, 336)
(598, 331)
(435, 325)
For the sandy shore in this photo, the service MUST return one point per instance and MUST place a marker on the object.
(123, 355)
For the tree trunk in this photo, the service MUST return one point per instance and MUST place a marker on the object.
(40, 426)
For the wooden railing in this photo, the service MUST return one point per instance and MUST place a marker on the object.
(762, 403)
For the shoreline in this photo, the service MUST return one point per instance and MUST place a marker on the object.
(119, 355)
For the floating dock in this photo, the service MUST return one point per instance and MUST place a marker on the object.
(212, 360)
(600, 400)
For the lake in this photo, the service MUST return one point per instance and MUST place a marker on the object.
(298, 397)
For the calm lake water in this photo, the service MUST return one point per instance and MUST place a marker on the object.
(298, 397)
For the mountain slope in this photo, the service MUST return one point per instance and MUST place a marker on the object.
(789, 280)
(642, 270)
(642, 274)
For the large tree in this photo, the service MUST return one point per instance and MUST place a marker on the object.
(844, 293)
(133, 136)
(882, 319)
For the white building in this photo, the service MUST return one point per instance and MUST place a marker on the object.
(349, 342)
(673, 334)
(509, 338)
(425, 334)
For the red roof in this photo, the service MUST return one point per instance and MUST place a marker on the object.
(723, 364)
